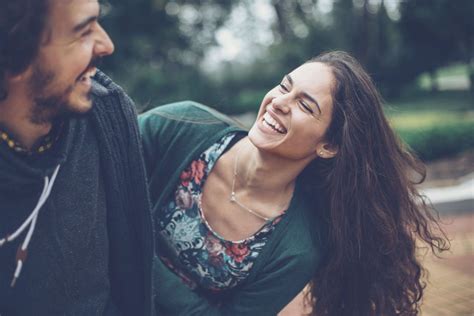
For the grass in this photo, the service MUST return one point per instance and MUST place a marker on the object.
(423, 119)
(429, 109)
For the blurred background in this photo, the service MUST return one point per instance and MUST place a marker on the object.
(227, 54)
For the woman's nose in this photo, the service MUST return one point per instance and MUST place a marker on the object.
(281, 103)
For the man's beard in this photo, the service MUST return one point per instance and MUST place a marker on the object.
(46, 106)
(54, 105)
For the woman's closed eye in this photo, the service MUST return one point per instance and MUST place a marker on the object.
(284, 88)
(306, 106)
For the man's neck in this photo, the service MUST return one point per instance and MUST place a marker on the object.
(15, 118)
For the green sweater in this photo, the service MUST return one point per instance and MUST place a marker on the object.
(175, 134)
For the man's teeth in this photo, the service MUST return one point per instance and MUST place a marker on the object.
(273, 124)
(89, 74)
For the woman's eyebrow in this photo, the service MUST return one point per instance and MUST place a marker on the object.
(306, 95)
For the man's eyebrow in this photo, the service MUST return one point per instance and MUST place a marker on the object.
(307, 96)
(85, 23)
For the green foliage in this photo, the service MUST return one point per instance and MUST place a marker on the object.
(436, 32)
(435, 126)
(439, 140)
(421, 101)
(457, 73)
(249, 100)
(159, 46)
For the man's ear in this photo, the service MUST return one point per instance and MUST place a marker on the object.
(15, 78)
(327, 150)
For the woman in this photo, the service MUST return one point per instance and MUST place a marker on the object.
(318, 190)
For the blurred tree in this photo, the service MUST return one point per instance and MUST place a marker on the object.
(302, 31)
(461, 17)
(362, 27)
(160, 43)
(347, 30)
(436, 32)
(384, 53)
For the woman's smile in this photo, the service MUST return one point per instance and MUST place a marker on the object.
(273, 124)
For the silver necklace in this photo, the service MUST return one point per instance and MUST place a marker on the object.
(233, 197)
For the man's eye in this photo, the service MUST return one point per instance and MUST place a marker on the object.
(306, 107)
(87, 33)
(283, 87)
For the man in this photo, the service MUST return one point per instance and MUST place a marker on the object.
(75, 226)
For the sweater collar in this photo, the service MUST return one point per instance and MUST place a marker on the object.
(20, 169)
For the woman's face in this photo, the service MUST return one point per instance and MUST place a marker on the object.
(294, 116)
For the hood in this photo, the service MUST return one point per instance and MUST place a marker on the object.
(18, 171)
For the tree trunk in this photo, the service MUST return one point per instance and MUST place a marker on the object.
(434, 81)
(282, 23)
(470, 69)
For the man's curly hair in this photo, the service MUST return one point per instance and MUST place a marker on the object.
(22, 23)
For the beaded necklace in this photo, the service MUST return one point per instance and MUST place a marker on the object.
(46, 142)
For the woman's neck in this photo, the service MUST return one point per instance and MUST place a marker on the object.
(263, 173)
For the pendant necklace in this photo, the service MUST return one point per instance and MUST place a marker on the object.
(233, 197)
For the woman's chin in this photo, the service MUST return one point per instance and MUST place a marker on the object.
(263, 140)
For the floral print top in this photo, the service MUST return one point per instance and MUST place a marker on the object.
(209, 260)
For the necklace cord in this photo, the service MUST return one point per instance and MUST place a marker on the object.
(31, 221)
(233, 196)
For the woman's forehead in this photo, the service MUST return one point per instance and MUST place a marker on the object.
(313, 78)
(315, 72)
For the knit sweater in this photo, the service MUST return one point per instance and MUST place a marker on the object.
(92, 247)
(175, 134)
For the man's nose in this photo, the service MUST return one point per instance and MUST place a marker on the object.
(104, 45)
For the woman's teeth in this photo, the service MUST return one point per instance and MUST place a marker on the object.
(269, 121)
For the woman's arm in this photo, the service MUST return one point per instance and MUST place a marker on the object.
(272, 290)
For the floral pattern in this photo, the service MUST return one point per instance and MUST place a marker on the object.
(207, 260)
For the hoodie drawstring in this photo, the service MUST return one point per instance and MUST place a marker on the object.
(31, 220)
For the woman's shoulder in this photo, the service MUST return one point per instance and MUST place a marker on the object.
(188, 120)
(187, 113)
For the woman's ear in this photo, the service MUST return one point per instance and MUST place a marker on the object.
(326, 151)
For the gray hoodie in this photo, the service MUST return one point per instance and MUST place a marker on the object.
(87, 256)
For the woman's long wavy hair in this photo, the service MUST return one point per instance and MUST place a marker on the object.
(375, 214)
